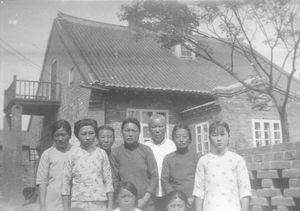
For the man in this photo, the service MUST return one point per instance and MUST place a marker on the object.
(161, 146)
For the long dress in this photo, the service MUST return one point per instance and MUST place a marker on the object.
(50, 173)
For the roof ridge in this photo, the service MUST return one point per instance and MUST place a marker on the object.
(78, 20)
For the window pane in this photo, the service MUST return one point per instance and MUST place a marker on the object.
(199, 130)
(146, 116)
(206, 137)
(276, 126)
(199, 138)
(199, 147)
(277, 135)
(146, 133)
(206, 145)
(133, 114)
(205, 128)
(256, 125)
(267, 134)
(257, 135)
(267, 125)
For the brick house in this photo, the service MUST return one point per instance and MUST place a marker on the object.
(107, 73)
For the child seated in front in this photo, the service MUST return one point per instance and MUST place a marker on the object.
(126, 197)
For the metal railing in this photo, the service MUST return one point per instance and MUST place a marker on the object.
(32, 90)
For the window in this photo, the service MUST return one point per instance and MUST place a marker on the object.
(185, 53)
(143, 116)
(202, 140)
(33, 154)
(266, 132)
(71, 76)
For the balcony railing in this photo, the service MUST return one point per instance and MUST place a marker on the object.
(32, 91)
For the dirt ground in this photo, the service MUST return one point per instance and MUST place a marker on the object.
(13, 207)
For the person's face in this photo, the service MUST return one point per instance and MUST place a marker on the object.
(181, 138)
(219, 138)
(157, 128)
(131, 133)
(87, 136)
(126, 199)
(176, 205)
(106, 139)
(61, 138)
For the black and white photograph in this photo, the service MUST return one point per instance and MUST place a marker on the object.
(150, 105)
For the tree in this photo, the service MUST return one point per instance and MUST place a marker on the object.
(237, 24)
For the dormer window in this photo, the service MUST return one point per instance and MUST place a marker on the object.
(185, 53)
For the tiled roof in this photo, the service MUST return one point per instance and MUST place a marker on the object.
(120, 60)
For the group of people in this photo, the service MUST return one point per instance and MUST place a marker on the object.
(158, 175)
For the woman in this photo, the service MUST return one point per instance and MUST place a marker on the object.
(135, 163)
(87, 178)
(51, 166)
(222, 180)
(178, 172)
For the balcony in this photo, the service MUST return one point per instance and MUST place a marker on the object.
(36, 98)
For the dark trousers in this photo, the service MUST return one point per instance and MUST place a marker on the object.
(160, 204)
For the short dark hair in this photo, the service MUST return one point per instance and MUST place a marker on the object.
(174, 195)
(85, 122)
(61, 124)
(181, 126)
(131, 120)
(130, 187)
(217, 124)
(106, 127)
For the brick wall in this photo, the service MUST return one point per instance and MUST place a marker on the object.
(275, 176)
(75, 99)
(238, 112)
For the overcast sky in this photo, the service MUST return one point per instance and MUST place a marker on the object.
(25, 27)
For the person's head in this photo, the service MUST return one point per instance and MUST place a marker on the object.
(106, 137)
(182, 136)
(131, 130)
(127, 195)
(85, 130)
(157, 128)
(61, 134)
(219, 136)
(176, 201)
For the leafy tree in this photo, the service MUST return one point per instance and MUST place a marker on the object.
(239, 25)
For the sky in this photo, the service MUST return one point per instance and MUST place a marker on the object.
(25, 27)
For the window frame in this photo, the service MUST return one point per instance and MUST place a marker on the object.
(262, 131)
(143, 139)
(201, 125)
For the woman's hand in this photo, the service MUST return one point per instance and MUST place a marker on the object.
(191, 201)
(142, 202)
